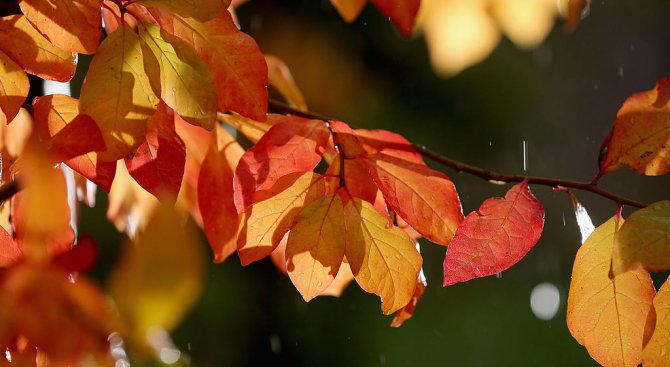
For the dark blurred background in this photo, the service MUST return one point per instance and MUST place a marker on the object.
(559, 100)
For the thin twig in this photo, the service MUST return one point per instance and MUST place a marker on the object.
(8, 190)
(490, 176)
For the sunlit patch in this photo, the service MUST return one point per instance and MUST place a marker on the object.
(53, 87)
(545, 300)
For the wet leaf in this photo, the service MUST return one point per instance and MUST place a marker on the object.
(656, 353)
(608, 315)
(14, 87)
(495, 237)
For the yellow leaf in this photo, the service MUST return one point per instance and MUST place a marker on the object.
(159, 277)
(130, 206)
(383, 259)
(315, 247)
(657, 351)
(180, 77)
(608, 316)
(644, 240)
(14, 87)
(117, 93)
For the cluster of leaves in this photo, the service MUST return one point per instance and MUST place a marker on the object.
(328, 203)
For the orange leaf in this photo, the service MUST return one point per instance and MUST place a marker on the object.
(34, 53)
(655, 353)
(14, 87)
(9, 250)
(288, 147)
(158, 163)
(215, 193)
(608, 316)
(383, 259)
(401, 12)
(252, 129)
(389, 143)
(495, 237)
(407, 312)
(71, 25)
(117, 93)
(237, 64)
(315, 247)
(130, 206)
(202, 10)
(280, 77)
(268, 220)
(424, 198)
(644, 240)
(640, 137)
(349, 9)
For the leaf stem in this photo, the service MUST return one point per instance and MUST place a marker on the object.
(491, 176)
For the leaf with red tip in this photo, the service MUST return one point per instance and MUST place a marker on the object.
(288, 147)
(158, 163)
(215, 193)
(640, 137)
(401, 12)
(495, 237)
(14, 87)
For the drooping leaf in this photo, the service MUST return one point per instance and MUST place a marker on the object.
(349, 9)
(158, 163)
(608, 315)
(52, 115)
(288, 147)
(73, 26)
(583, 220)
(130, 206)
(280, 77)
(424, 198)
(640, 137)
(117, 94)
(495, 237)
(236, 63)
(655, 353)
(34, 53)
(383, 259)
(268, 220)
(179, 76)
(315, 247)
(14, 87)
(407, 312)
(201, 10)
(159, 277)
(401, 12)
(644, 240)
(215, 193)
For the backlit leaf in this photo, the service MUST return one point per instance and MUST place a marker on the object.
(495, 237)
(268, 220)
(383, 259)
(407, 312)
(607, 315)
(34, 53)
(9, 249)
(349, 9)
(644, 240)
(158, 163)
(236, 63)
(117, 94)
(199, 9)
(159, 277)
(288, 147)
(280, 77)
(401, 12)
(14, 87)
(315, 247)
(389, 143)
(71, 25)
(424, 198)
(252, 129)
(183, 80)
(130, 206)
(640, 137)
(656, 353)
(215, 193)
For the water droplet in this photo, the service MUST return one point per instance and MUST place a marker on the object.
(544, 301)
(499, 275)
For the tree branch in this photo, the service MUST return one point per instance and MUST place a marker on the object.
(8, 190)
(493, 177)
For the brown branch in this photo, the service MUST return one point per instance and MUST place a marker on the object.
(490, 176)
(8, 190)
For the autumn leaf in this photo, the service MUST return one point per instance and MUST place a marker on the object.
(389, 143)
(280, 77)
(34, 53)
(53, 114)
(288, 147)
(383, 259)
(9, 249)
(495, 237)
(252, 129)
(360, 185)
(401, 12)
(644, 240)
(14, 87)
(117, 93)
(655, 353)
(215, 193)
(158, 163)
(349, 9)
(130, 206)
(72, 25)
(234, 59)
(315, 247)
(179, 76)
(424, 198)
(640, 137)
(268, 220)
(607, 315)
(201, 10)
(159, 276)
(407, 312)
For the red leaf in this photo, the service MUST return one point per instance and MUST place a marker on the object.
(401, 12)
(81, 258)
(288, 147)
(158, 163)
(78, 137)
(9, 249)
(495, 237)
(389, 143)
